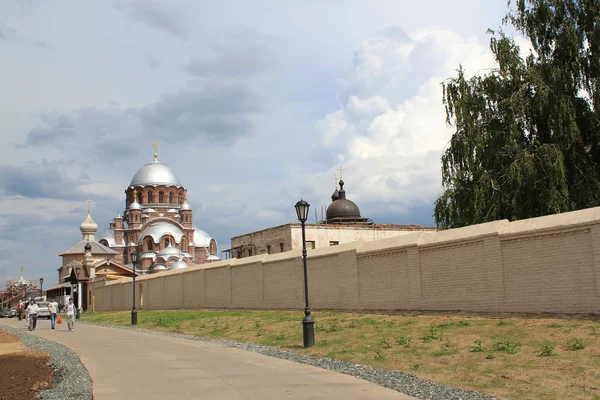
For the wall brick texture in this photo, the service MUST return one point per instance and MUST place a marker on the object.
(548, 264)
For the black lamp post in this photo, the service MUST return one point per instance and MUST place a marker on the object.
(77, 271)
(42, 288)
(308, 325)
(133, 310)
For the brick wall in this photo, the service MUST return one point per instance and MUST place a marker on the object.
(547, 264)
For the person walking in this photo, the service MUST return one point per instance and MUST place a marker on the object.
(70, 315)
(53, 308)
(32, 310)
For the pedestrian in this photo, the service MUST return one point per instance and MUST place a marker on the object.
(32, 310)
(53, 308)
(70, 315)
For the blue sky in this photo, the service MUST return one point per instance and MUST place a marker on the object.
(254, 104)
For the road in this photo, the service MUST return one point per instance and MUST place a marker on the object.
(133, 365)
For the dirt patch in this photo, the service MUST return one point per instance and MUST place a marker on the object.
(24, 372)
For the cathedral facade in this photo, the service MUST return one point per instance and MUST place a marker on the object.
(157, 224)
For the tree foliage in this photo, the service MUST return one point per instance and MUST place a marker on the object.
(527, 133)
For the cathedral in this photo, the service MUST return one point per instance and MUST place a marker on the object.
(158, 224)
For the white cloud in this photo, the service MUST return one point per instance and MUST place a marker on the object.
(390, 129)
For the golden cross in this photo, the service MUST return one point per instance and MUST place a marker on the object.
(135, 195)
(335, 179)
(22, 269)
(155, 144)
(89, 201)
(341, 171)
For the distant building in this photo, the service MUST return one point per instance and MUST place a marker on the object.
(344, 224)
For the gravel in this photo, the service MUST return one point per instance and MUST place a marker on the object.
(71, 380)
(399, 381)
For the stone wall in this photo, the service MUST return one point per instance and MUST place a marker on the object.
(547, 264)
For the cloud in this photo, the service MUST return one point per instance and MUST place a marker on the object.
(389, 130)
(235, 54)
(208, 109)
(156, 14)
(45, 179)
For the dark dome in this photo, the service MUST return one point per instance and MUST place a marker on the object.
(88, 246)
(343, 208)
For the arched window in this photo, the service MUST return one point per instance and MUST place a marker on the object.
(161, 197)
(166, 242)
(150, 197)
(104, 242)
(184, 244)
(149, 244)
(212, 247)
(171, 198)
(180, 198)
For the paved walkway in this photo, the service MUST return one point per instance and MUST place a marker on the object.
(132, 365)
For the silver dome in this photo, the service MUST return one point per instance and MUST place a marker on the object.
(135, 206)
(185, 206)
(155, 173)
(201, 238)
(158, 268)
(109, 236)
(168, 251)
(177, 265)
(160, 229)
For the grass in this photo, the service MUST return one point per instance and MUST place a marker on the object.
(512, 358)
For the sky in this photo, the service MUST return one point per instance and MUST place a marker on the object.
(254, 104)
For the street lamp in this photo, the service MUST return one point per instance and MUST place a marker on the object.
(308, 325)
(133, 310)
(77, 271)
(42, 288)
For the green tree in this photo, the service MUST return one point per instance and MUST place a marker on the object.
(527, 133)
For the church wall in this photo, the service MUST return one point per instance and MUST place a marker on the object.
(246, 285)
(542, 265)
(173, 290)
(193, 288)
(217, 285)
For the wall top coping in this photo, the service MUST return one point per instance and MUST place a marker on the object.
(387, 244)
(471, 232)
(337, 249)
(565, 220)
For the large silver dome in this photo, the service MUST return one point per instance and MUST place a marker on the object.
(155, 173)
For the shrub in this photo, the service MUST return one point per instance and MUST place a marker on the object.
(594, 331)
(464, 323)
(506, 346)
(547, 350)
(576, 344)
(352, 324)
(490, 356)
(404, 341)
(503, 323)
(378, 356)
(333, 327)
(384, 343)
(432, 334)
(478, 347)
(445, 325)
(416, 366)
(447, 346)
(279, 336)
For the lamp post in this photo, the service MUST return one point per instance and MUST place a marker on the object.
(42, 288)
(133, 310)
(308, 325)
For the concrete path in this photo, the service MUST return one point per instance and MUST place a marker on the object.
(132, 365)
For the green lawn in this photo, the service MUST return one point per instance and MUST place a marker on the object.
(511, 358)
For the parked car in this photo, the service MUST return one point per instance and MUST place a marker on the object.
(13, 312)
(43, 312)
(5, 313)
